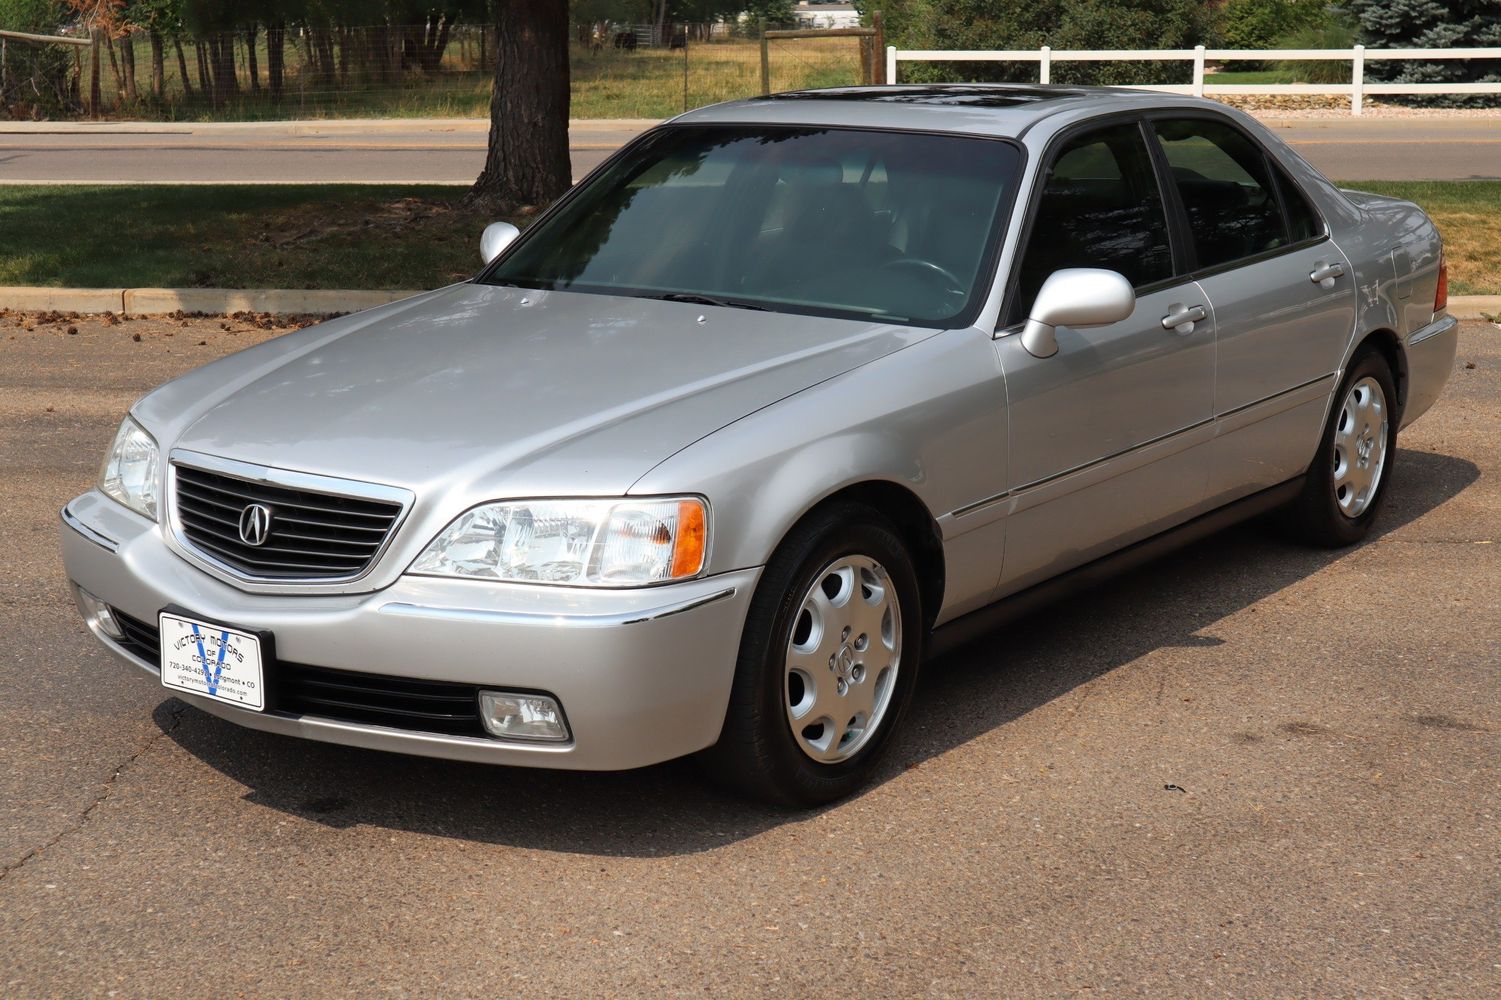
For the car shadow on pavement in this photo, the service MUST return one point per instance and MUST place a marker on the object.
(670, 810)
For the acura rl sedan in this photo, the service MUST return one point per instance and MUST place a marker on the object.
(786, 396)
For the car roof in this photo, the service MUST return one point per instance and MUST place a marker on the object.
(984, 109)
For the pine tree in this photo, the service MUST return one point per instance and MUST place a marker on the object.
(1431, 24)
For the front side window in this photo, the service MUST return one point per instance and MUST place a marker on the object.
(1227, 193)
(1099, 207)
(840, 222)
(1302, 221)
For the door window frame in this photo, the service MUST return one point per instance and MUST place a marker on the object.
(1276, 175)
(1179, 241)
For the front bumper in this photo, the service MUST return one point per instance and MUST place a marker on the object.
(643, 675)
(1430, 359)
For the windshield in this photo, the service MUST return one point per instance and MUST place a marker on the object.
(841, 222)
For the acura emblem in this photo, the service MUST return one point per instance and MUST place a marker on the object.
(255, 524)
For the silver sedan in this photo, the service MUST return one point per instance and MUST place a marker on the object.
(786, 396)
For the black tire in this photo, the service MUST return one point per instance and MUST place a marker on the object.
(1315, 516)
(757, 752)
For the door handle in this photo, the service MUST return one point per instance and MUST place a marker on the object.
(1181, 319)
(1323, 274)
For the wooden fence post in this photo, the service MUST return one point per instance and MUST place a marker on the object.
(94, 73)
(1357, 81)
(878, 46)
(765, 61)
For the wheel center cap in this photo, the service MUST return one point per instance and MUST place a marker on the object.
(844, 662)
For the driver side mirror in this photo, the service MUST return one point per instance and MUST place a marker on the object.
(496, 237)
(1077, 297)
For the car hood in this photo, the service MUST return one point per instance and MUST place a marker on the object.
(507, 391)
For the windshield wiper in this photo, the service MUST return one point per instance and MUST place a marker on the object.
(705, 300)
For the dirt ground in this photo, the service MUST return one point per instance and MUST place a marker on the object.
(1247, 770)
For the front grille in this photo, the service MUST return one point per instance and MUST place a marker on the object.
(373, 699)
(312, 536)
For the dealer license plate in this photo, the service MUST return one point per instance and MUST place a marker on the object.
(212, 660)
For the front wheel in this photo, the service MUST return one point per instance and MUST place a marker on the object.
(1346, 484)
(828, 661)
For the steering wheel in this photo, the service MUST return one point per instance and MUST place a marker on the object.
(926, 268)
(921, 266)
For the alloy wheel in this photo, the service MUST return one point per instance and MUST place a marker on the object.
(842, 658)
(1360, 447)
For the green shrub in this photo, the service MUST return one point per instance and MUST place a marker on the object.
(1336, 34)
(1257, 24)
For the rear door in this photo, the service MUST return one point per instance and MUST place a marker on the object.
(1107, 435)
(1282, 293)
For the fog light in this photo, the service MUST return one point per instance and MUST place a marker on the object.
(98, 614)
(523, 716)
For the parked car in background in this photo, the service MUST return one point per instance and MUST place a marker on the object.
(786, 396)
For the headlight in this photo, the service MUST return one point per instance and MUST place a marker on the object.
(130, 472)
(584, 543)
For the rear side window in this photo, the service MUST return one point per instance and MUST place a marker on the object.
(1226, 189)
(1100, 207)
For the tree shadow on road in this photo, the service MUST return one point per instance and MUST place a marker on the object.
(669, 810)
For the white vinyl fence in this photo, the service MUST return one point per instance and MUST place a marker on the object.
(1357, 89)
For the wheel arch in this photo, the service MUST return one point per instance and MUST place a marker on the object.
(1388, 345)
(913, 522)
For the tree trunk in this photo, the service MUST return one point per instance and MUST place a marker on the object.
(200, 58)
(276, 37)
(114, 69)
(526, 165)
(252, 64)
(226, 79)
(128, 65)
(158, 64)
(434, 41)
(94, 72)
(182, 69)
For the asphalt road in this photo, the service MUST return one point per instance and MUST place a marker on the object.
(452, 151)
(1248, 770)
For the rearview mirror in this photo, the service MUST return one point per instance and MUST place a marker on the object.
(1077, 297)
(496, 237)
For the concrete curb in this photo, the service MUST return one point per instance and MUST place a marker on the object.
(146, 301)
(1471, 306)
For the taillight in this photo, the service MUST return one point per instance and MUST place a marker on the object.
(1441, 297)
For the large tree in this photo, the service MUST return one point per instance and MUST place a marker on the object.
(1431, 24)
(526, 165)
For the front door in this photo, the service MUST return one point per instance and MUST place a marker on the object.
(1108, 436)
(1282, 293)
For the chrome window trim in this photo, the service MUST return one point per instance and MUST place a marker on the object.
(290, 479)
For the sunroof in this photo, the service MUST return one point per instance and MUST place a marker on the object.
(962, 95)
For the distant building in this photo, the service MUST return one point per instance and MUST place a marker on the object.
(818, 14)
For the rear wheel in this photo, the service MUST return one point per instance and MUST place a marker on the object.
(828, 661)
(1346, 484)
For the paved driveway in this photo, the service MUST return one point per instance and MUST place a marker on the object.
(1247, 770)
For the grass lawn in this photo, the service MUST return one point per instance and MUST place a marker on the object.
(237, 236)
(360, 236)
(1468, 215)
(612, 83)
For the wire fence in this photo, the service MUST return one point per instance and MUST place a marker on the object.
(436, 69)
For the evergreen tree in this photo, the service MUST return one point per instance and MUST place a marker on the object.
(1431, 24)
